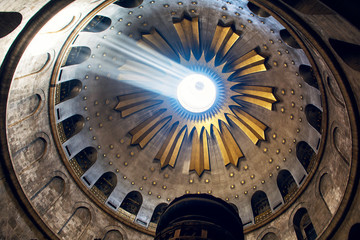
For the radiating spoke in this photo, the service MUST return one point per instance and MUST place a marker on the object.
(215, 120)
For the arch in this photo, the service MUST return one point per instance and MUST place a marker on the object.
(354, 232)
(307, 74)
(303, 226)
(260, 206)
(328, 193)
(70, 127)
(86, 158)
(23, 109)
(305, 155)
(314, 116)
(9, 21)
(349, 53)
(77, 55)
(334, 89)
(159, 209)
(270, 236)
(257, 10)
(288, 39)
(106, 184)
(46, 196)
(113, 235)
(98, 24)
(30, 154)
(128, 3)
(68, 90)
(338, 138)
(76, 224)
(113, 231)
(132, 202)
(36, 64)
(286, 184)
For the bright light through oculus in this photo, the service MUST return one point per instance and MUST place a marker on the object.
(196, 93)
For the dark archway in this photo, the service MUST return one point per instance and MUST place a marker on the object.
(270, 236)
(68, 90)
(303, 226)
(157, 212)
(307, 74)
(354, 232)
(86, 158)
(77, 55)
(305, 154)
(288, 39)
(98, 24)
(314, 116)
(70, 127)
(257, 10)
(106, 183)
(128, 3)
(286, 185)
(9, 21)
(132, 202)
(260, 206)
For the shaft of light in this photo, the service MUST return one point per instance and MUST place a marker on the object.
(144, 67)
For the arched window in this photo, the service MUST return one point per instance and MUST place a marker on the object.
(9, 21)
(260, 206)
(308, 76)
(157, 212)
(132, 202)
(105, 185)
(270, 236)
(354, 232)
(76, 224)
(98, 24)
(303, 226)
(68, 90)
(46, 197)
(257, 10)
(86, 158)
(113, 235)
(128, 3)
(77, 55)
(286, 185)
(70, 127)
(313, 116)
(288, 39)
(305, 154)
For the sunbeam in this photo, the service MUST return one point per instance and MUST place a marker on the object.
(145, 67)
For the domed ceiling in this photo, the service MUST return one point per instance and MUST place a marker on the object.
(122, 125)
(152, 100)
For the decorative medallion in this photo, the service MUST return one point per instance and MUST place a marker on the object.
(233, 96)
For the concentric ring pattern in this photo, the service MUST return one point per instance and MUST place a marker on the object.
(124, 141)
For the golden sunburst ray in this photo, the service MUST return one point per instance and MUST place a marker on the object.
(146, 130)
(134, 102)
(252, 127)
(228, 146)
(223, 40)
(198, 127)
(200, 159)
(170, 149)
(249, 63)
(189, 34)
(259, 95)
(155, 41)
